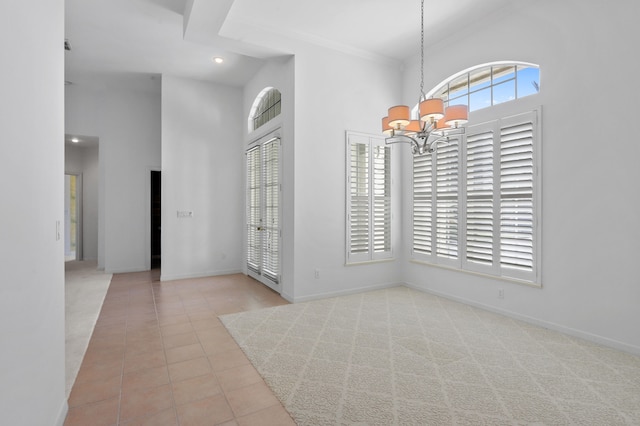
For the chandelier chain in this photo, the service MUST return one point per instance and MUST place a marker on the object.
(422, 50)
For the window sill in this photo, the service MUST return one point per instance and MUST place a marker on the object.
(370, 262)
(480, 274)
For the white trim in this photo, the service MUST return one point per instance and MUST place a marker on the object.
(62, 414)
(344, 292)
(371, 262)
(173, 277)
(141, 268)
(477, 273)
(616, 344)
(452, 77)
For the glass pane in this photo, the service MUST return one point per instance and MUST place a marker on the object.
(480, 99)
(504, 92)
(459, 86)
(528, 81)
(462, 100)
(503, 73)
(480, 79)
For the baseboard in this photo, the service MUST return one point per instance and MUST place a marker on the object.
(340, 292)
(601, 340)
(125, 270)
(173, 277)
(62, 415)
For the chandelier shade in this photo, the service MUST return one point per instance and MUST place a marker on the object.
(456, 115)
(414, 127)
(431, 109)
(399, 116)
(434, 123)
(386, 127)
(441, 126)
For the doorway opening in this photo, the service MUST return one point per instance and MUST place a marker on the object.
(156, 215)
(72, 231)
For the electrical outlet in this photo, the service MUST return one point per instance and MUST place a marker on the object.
(57, 230)
(317, 274)
(500, 293)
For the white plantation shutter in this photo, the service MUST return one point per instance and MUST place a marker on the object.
(447, 189)
(517, 179)
(263, 211)
(368, 198)
(271, 223)
(484, 210)
(359, 199)
(381, 199)
(422, 205)
(254, 215)
(480, 211)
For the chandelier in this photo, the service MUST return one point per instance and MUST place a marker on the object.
(434, 124)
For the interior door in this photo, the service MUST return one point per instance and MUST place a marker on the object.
(263, 211)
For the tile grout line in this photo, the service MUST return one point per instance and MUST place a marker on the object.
(164, 351)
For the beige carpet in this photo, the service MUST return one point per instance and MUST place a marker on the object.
(85, 289)
(400, 356)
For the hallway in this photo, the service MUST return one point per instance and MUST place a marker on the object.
(160, 356)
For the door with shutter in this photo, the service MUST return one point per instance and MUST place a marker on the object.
(263, 211)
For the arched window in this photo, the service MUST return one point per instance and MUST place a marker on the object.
(489, 84)
(266, 106)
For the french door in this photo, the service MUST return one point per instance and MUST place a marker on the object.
(263, 211)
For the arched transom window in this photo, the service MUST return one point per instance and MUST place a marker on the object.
(266, 107)
(490, 84)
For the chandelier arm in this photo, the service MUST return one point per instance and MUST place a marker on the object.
(443, 138)
(402, 139)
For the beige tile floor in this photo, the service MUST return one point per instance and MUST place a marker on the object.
(160, 356)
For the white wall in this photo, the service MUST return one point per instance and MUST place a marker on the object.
(124, 112)
(334, 92)
(202, 172)
(278, 73)
(32, 378)
(590, 199)
(84, 161)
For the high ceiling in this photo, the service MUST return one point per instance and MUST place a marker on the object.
(179, 37)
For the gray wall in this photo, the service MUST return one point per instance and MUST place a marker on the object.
(32, 377)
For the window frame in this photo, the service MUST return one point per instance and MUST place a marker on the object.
(465, 87)
(266, 107)
(371, 254)
(495, 270)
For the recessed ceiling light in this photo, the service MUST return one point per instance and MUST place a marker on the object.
(217, 59)
(75, 140)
